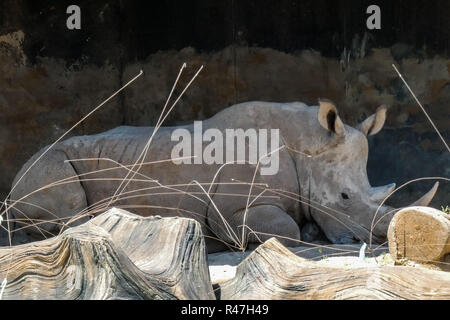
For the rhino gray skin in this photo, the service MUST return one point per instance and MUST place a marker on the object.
(322, 179)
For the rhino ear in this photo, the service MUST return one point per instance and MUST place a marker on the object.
(328, 117)
(373, 124)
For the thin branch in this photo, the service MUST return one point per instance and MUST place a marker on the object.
(423, 109)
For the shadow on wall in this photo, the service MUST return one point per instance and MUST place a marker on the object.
(39, 102)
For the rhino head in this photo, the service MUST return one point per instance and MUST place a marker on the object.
(339, 197)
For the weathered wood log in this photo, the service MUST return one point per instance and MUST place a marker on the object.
(222, 265)
(141, 258)
(273, 272)
(421, 234)
(311, 252)
(82, 263)
(171, 250)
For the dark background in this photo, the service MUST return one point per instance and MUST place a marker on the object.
(125, 31)
(252, 50)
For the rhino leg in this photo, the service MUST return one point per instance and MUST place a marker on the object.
(56, 204)
(262, 222)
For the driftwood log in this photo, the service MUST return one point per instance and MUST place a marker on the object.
(274, 272)
(117, 255)
(419, 233)
(311, 252)
(170, 250)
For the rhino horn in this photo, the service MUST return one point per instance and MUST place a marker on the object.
(426, 198)
(378, 194)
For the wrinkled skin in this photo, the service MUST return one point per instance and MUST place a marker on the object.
(322, 179)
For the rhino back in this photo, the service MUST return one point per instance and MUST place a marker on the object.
(100, 159)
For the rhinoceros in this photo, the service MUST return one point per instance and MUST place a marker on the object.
(320, 183)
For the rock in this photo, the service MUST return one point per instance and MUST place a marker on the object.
(419, 233)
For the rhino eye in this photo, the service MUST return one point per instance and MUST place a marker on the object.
(344, 196)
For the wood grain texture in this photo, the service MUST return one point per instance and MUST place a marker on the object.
(115, 256)
(119, 255)
(419, 233)
(171, 250)
(273, 272)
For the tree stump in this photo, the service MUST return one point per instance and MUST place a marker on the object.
(421, 234)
